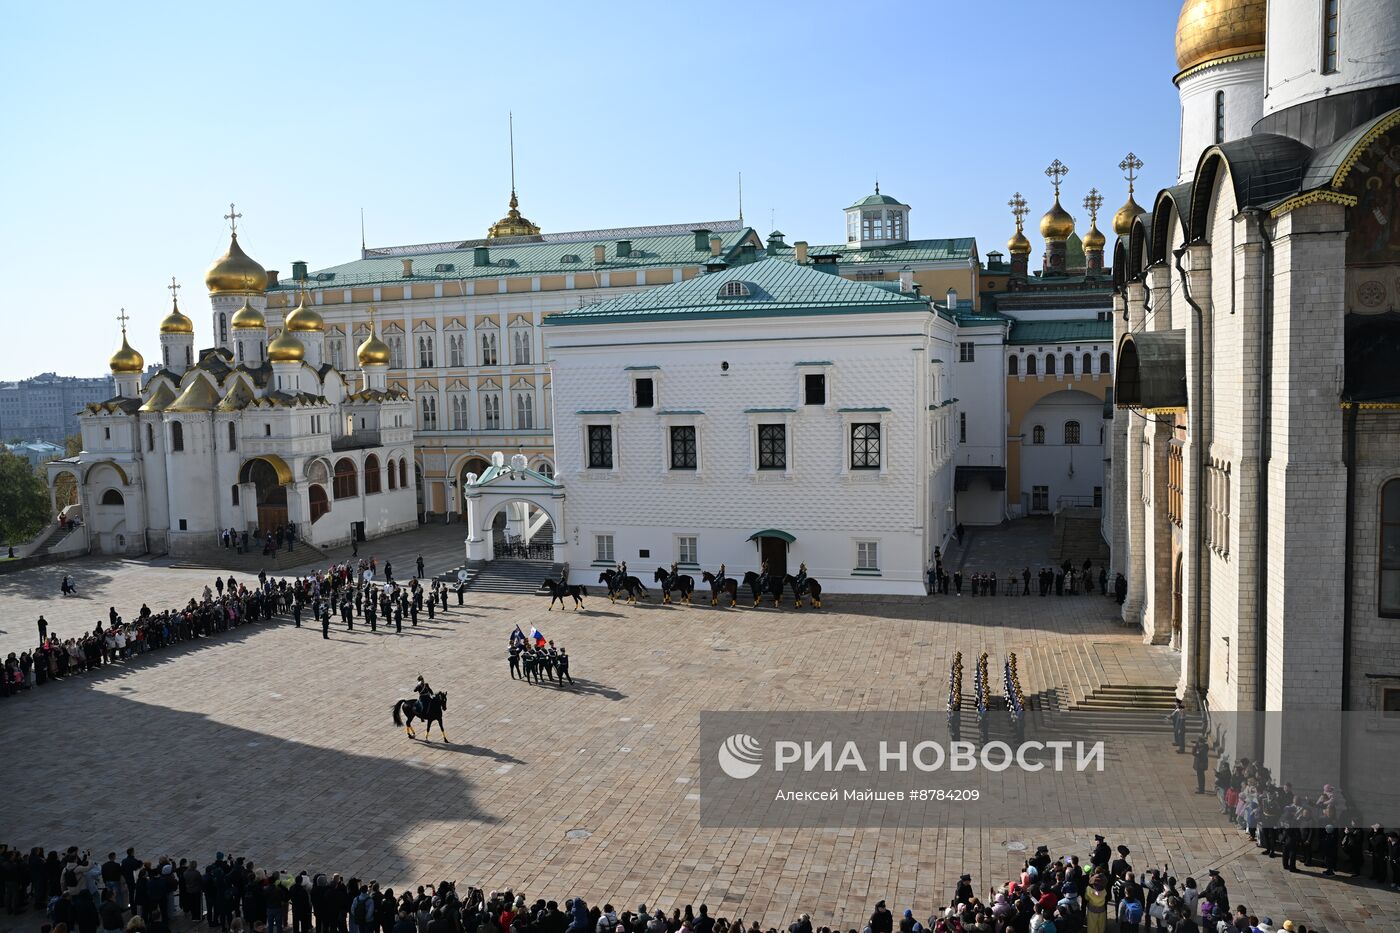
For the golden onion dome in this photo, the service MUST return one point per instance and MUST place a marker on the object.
(1094, 239)
(235, 273)
(1123, 220)
(373, 352)
(1057, 224)
(248, 318)
(176, 322)
(1018, 245)
(286, 349)
(126, 360)
(1211, 29)
(302, 319)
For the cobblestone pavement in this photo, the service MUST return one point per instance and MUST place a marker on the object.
(275, 744)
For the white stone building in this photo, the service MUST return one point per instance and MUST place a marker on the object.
(1255, 473)
(254, 437)
(769, 411)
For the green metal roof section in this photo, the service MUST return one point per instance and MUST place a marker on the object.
(546, 258)
(638, 369)
(776, 288)
(876, 200)
(813, 363)
(768, 411)
(877, 408)
(952, 249)
(1060, 332)
(681, 411)
(1074, 252)
(597, 411)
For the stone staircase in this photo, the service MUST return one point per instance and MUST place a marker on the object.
(521, 577)
(1133, 708)
(51, 539)
(252, 561)
(1077, 536)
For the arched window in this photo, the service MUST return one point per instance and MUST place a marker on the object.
(223, 328)
(1071, 432)
(150, 437)
(524, 410)
(1038, 434)
(734, 289)
(520, 347)
(403, 472)
(177, 436)
(319, 504)
(232, 436)
(393, 476)
(1030, 364)
(1219, 117)
(1088, 364)
(488, 349)
(545, 469)
(1390, 549)
(371, 474)
(1069, 364)
(429, 408)
(112, 497)
(345, 485)
(189, 361)
(1013, 365)
(1105, 363)
(1049, 364)
(234, 492)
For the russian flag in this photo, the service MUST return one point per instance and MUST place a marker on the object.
(537, 637)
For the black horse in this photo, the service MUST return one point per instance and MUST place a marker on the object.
(773, 587)
(682, 583)
(616, 584)
(730, 588)
(558, 589)
(433, 714)
(810, 587)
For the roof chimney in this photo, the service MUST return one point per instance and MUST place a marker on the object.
(624, 249)
(481, 256)
(952, 299)
(906, 281)
(600, 253)
(408, 268)
(801, 247)
(826, 262)
(299, 270)
(716, 244)
(702, 238)
(272, 278)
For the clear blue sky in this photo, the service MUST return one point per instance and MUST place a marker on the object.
(128, 128)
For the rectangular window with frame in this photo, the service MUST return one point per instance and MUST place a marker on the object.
(683, 451)
(865, 446)
(645, 393)
(600, 450)
(962, 427)
(603, 548)
(1389, 589)
(814, 389)
(867, 555)
(967, 352)
(687, 549)
(1330, 36)
(1040, 498)
(772, 447)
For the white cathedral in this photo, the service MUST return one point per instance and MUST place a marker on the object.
(1255, 457)
(258, 431)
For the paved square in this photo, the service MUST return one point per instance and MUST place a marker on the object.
(272, 743)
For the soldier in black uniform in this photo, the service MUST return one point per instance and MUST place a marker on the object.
(1102, 853)
(461, 591)
(528, 659)
(513, 656)
(432, 600)
(561, 663)
(326, 628)
(370, 615)
(296, 612)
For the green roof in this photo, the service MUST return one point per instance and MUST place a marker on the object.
(1060, 332)
(950, 249)
(875, 200)
(776, 288)
(522, 258)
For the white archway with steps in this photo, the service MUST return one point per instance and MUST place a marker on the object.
(500, 485)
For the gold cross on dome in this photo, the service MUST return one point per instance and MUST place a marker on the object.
(232, 218)
(371, 319)
(123, 317)
(1018, 208)
(1092, 202)
(173, 287)
(1056, 171)
(1130, 164)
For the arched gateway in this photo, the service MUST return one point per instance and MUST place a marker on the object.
(507, 486)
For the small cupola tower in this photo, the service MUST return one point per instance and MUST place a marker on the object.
(126, 365)
(877, 220)
(1018, 246)
(1056, 225)
(373, 355)
(310, 328)
(176, 336)
(249, 336)
(1094, 240)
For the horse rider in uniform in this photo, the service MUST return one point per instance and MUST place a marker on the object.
(719, 578)
(801, 578)
(425, 696)
(763, 577)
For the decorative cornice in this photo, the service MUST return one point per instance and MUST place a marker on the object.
(1320, 195)
(1362, 144)
(1223, 60)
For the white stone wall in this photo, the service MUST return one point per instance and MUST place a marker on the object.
(876, 361)
(1368, 50)
(1242, 83)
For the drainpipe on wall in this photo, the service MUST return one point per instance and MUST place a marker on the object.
(1266, 379)
(1197, 413)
